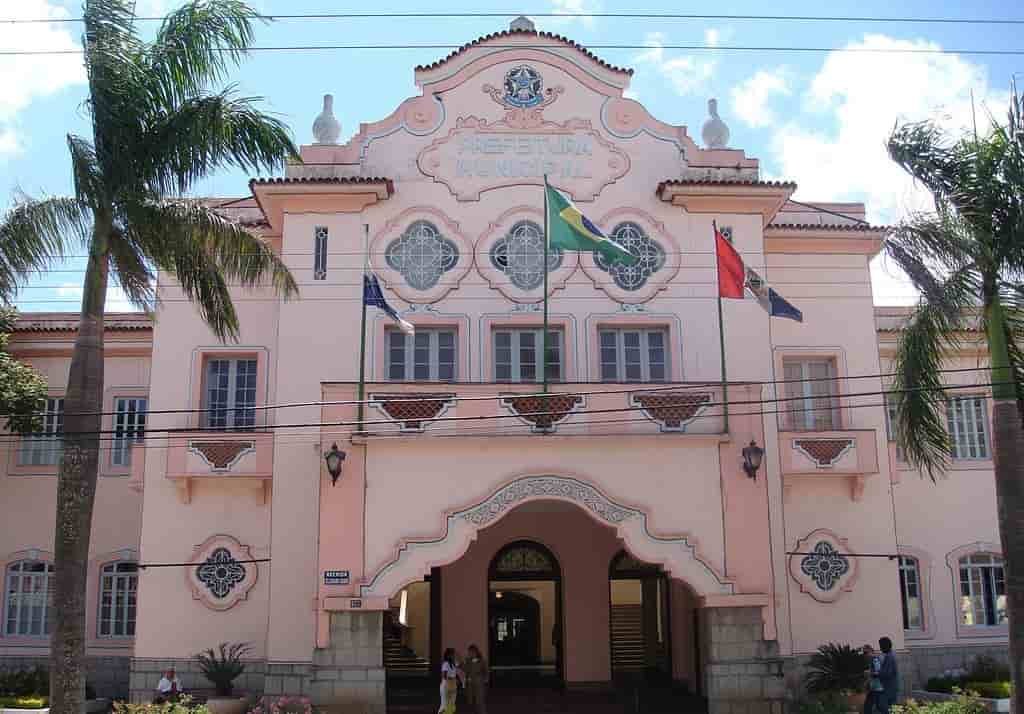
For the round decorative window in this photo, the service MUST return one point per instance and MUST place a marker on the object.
(422, 255)
(519, 254)
(651, 255)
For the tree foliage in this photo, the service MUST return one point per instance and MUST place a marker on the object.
(22, 389)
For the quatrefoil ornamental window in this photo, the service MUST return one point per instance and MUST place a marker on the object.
(651, 256)
(422, 255)
(823, 566)
(519, 254)
(223, 572)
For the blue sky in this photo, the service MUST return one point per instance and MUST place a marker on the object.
(817, 118)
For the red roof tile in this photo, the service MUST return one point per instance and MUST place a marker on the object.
(68, 321)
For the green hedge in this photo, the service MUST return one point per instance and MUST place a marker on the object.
(24, 702)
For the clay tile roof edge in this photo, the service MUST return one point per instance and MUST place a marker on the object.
(68, 321)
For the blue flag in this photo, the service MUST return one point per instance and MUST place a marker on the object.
(780, 307)
(373, 297)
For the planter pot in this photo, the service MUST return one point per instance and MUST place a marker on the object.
(226, 705)
(855, 701)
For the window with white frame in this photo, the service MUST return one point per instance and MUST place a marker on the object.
(811, 402)
(43, 448)
(427, 356)
(129, 428)
(229, 393)
(518, 354)
(968, 427)
(320, 253)
(28, 600)
(891, 420)
(910, 590)
(119, 585)
(634, 355)
(982, 590)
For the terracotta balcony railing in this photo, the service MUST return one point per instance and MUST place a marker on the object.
(520, 409)
(221, 455)
(851, 454)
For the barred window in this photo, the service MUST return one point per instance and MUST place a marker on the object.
(230, 394)
(129, 428)
(119, 585)
(427, 356)
(968, 427)
(811, 401)
(634, 355)
(650, 257)
(422, 255)
(518, 354)
(519, 254)
(320, 253)
(910, 590)
(29, 598)
(44, 447)
(982, 590)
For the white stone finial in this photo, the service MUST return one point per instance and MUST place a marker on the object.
(326, 128)
(522, 24)
(715, 133)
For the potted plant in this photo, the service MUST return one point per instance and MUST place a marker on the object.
(839, 668)
(222, 667)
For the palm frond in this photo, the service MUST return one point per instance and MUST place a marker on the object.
(133, 271)
(924, 151)
(196, 45)
(209, 132)
(35, 232)
(929, 334)
(929, 247)
(206, 252)
(89, 187)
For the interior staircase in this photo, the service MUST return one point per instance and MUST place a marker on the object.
(627, 634)
(401, 661)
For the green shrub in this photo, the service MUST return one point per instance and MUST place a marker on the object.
(837, 668)
(25, 683)
(962, 704)
(183, 706)
(986, 668)
(223, 665)
(31, 702)
(826, 703)
(943, 685)
(990, 690)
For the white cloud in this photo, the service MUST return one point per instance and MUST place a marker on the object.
(715, 36)
(571, 9)
(750, 98)
(9, 143)
(835, 148)
(687, 74)
(117, 301)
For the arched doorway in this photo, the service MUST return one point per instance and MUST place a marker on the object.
(639, 618)
(524, 615)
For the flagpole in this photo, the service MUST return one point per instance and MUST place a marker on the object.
(544, 269)
(362, 331)
(721, 345)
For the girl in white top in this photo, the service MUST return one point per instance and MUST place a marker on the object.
(450, 675)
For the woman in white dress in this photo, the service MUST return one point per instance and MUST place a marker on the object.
(450, 676)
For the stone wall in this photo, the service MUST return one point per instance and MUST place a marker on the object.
(923, 661)
(348, 675)
(742, 672)
(107, 675)
(146, 673)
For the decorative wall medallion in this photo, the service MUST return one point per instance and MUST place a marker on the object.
(634, 239)
(412, 411)
(220, 573)
(644, 236)
(671, 410)
(223, 573)
(524, 489)
(523, 87)
(422, 255)
(823, 452)
(822, 565)
(543, 412)
(221, 455)
(520, 255)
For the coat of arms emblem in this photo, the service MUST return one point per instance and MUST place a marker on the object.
(523, 87)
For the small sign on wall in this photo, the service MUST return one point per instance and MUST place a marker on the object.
(336, 577)
(355, 604)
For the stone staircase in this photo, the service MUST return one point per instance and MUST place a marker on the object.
(401, 661)
(627, 635)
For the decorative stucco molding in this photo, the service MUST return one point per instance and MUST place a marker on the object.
(221, 455)
(412, 411)
(677, 554)
(823, 452)
(542, 412)
(216, 577)
(822, 566)
(672, 411)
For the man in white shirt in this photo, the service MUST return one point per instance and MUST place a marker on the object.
(169, 688)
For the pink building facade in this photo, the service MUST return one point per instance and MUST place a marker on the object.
(604, 532)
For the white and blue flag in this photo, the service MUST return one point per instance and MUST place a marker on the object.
(373, 297)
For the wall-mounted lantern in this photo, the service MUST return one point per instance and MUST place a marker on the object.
(334, 459)
(752, 456)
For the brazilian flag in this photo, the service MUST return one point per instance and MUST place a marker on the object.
(569, 229)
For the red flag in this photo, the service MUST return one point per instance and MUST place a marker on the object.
(731, 274)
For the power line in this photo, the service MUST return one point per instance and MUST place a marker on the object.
(634, 47)
(573, 15)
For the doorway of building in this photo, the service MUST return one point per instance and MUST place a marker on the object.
(640, 630)
(524, 615)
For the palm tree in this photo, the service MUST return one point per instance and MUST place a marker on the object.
(157, 128)
(967, 261)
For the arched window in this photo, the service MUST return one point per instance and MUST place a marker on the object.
(524, 560)
(651, 256)
(422, 255)
(28, 601)
(910, 592)
(119, 584)
(519, 254)
(982, 590)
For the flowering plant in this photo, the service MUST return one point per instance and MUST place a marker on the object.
(283, 705)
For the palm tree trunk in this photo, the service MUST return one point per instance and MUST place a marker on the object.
(1009, 460)
(76, 485)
